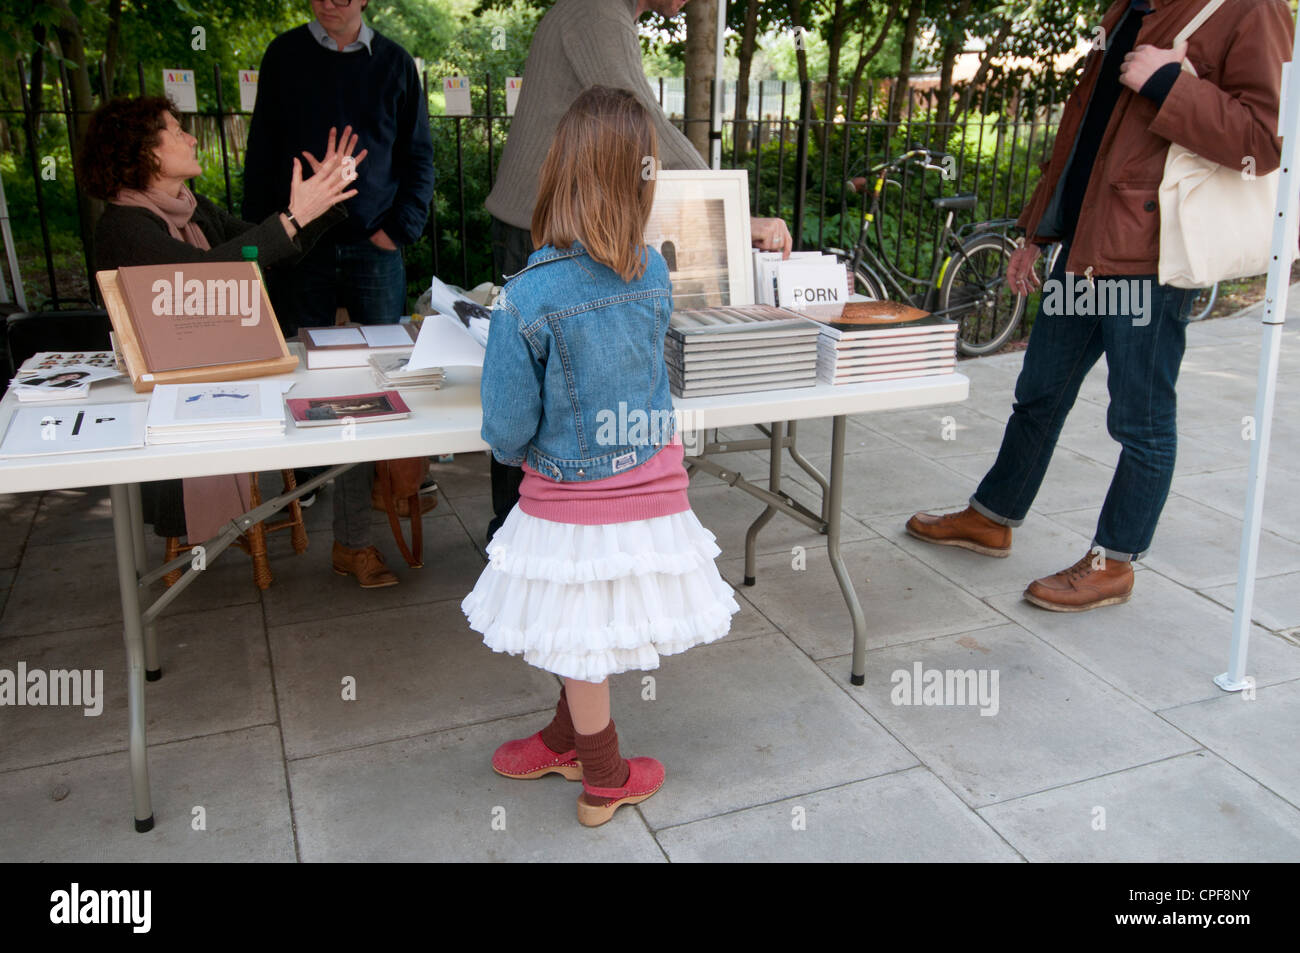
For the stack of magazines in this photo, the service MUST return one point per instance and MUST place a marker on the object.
(725, 350)
(391, 370)
(883, 341)
(194, 413)
(62, 375)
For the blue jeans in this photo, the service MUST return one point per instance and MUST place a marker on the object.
(367, 280)
(1144, 350)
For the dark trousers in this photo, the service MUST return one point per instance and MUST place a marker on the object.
(1143, 355)
(511, 247)
(371, 283)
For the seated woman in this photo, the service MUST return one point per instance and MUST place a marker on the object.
(136, 157)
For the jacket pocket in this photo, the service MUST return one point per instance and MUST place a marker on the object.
(1131, 230)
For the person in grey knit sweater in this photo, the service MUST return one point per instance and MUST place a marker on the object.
(578, 44)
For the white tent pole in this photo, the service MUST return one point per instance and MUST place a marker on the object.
(719, 88)
(1275, 306)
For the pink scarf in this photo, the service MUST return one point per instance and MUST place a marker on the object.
(210, 502)
(177, 211)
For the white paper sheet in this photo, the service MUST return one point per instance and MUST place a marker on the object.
(386, 335)
(332, 337)
(445, 342)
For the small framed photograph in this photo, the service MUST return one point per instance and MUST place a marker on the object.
(700, 224)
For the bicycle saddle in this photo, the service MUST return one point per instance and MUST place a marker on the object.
(957, 203)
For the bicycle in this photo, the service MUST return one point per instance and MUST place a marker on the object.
(968, 285)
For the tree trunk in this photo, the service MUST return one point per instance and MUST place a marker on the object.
(903, 88)
(111, 46)
(986, 62)
(701, 60)
(865, 58)
(956, 42)
(73, 48)
(748, 43)
(801, 42)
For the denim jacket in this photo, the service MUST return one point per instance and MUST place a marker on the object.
(574, 380)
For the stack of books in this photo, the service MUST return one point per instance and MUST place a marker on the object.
(196, 413)
(353, 345)
(734, 350)
(883, 341)
(391, 370)
(62, 375)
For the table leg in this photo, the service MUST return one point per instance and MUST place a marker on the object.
(128, 583)
(773, 485)
(152, 667)
(859, 674)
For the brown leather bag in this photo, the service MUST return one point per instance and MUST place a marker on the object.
(400, 480)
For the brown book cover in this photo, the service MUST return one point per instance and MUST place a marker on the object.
(199, 314)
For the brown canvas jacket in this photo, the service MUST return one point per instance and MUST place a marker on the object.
(1226, 113)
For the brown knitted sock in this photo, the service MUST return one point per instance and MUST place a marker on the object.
(558, 735)
(602, 767)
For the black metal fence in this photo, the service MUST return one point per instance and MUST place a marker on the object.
(799, 164)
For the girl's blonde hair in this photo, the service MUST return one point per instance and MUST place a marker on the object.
(597, 184)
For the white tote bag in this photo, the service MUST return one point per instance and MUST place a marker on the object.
(1216, 222)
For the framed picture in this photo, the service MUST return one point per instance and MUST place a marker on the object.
(700, 224)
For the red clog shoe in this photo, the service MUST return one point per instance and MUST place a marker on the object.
(645, 777)
(528, 758)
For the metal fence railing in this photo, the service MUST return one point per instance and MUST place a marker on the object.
(798, 164)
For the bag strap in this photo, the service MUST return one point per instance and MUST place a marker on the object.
(414, 554)
(1207, 11)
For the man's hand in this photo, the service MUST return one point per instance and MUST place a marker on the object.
(1143, 63)
(771, 234)
(1022, 276)
(381, 239)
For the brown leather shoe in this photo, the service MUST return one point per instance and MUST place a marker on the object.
(1081, 587)
(366, 564)
(968, 529)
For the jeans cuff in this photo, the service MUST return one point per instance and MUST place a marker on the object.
(987, 513)
(1116, 556)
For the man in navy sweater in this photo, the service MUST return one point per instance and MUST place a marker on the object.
(334, 72)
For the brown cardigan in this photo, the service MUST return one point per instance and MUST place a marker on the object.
(1229, 111)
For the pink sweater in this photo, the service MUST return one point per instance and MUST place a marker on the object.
(655, 488)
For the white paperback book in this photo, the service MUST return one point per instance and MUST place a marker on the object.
(185, 413)
(79, 428)
(445, 341)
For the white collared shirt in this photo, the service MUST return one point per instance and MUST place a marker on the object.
(362, 42)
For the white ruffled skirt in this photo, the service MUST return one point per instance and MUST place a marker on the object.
(586, 602)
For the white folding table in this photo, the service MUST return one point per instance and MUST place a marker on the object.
(443, 421)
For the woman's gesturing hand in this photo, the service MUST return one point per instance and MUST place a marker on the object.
(331, 176)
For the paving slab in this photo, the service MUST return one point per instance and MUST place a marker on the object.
(814, 436)
(17, 511)
(727, 512)
(42, 597)
(1072, 480)
(436, 798)
(306, 588)
(903, 599)
(1197, 545)
(756, 712)
(415, 669)
(1162, 648)
(940, 432)
(1051, 721)
(893, 481)
(908, 816)
(1256, 735)
(1276, 604)
(1225, 491)
(66, 516)
(80, 811)
(1040, 546)
(469, 474)
(6, 584)
(216, 678)
(1190, 809)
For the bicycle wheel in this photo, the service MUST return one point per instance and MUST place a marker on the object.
(862, 280)
(974, 292)
(1204, 303)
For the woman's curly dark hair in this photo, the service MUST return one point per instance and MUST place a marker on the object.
(117, 151)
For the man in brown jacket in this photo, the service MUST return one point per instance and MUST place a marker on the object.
(1099, 197)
